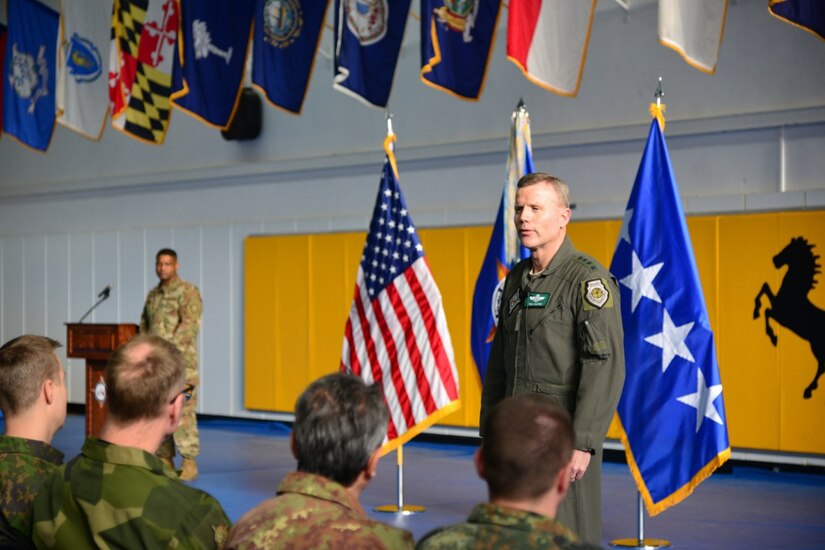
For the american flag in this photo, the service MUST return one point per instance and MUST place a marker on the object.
(396, 333)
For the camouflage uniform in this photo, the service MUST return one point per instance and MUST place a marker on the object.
(311, 512)
(24, 464)
(173, 312)
(122, 497)
(494, 527)
(573, 351)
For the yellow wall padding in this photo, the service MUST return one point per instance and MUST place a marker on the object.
(298, 291)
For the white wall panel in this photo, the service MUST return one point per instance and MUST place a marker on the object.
(805, 157)
(132, 276)
(105, 273)
(34, 273)
(14, 318)
(217, 369)
(57, 291)
(82, 295)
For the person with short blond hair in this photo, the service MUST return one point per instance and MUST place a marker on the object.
(33, 397)
(117, 493)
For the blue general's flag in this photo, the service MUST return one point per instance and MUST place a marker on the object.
(672, 411)
(457, 37)
(29, 73)
(504, 250)
(368, 35)
(286, 39)
(214, 38)
(2, 59)
(805, 14)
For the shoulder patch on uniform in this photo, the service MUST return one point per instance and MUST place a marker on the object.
(221, 533)
(514, 301)
(595, 294)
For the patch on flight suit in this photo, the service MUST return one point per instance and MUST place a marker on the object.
(596, 295)
(514, 301)
(536, 299)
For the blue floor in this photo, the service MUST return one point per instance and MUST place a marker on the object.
(242, 462)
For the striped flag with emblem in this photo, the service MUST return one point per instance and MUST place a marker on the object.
(127, 25)
(28, 73)
(368, 38)
(505, 249)
(286, 39)
(396, 334)
(214, 38)
(146, 113)
(82, 86)
(457, 37)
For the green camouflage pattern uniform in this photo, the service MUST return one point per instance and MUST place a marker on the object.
(312, 512)
(24, 464)
(173, 312)
(123, 497)
(494, 527)
(573, 351)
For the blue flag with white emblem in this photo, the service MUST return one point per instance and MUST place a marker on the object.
(368, 36)
(2, 61)
(215, 37)
(672, 410)
(286, 38)
(457, 37)
(29, 73)
(504, 250)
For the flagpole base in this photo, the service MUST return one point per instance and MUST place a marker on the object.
(406, 510)
(641, 544)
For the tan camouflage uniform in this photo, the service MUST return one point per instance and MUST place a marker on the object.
(312, 512)
(112, 496)
(173, 312)
(494, 527)
(24, 464)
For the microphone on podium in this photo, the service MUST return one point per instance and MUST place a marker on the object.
(102, 296)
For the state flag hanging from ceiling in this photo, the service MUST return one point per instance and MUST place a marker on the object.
(547, 40)
(214, 40)
(29, 73)
(808, 15)
(368, 37)
(82, 85)
(146, 113)
(457, 37)
(694, 29)
(127, 26)
(286, 37)
(2, 72)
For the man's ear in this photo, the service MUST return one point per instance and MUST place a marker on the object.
(48, 391)
(372, 464)
(563, 479)
(292, 445)
(479, 462)
(175, 411)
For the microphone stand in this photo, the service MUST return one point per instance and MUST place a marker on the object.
(102, 298)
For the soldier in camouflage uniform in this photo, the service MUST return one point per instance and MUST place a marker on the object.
(559, 333)
(340, 424)
(525, 460)
(33, 397)
(173, 311)
(117, 493)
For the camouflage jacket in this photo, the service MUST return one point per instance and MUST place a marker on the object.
(311, 512)
(122, 497)
(174, 312)
(494, 527)
(24, 464)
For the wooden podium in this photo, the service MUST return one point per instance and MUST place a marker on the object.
(95, 342)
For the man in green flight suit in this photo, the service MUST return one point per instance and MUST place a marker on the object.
(340, 424)
(117, 493)
(525, 461)
(33, 398)
(559, 333)
(173, 311)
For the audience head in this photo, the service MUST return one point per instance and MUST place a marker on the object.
(528, 441)
(29, 369)
(340, 422)
(142, 377)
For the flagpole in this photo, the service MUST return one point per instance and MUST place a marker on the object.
(400, 507)
(657, 110)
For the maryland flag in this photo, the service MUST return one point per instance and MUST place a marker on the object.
(146, 112)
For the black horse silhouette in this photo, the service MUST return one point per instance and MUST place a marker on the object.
(791, 307)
